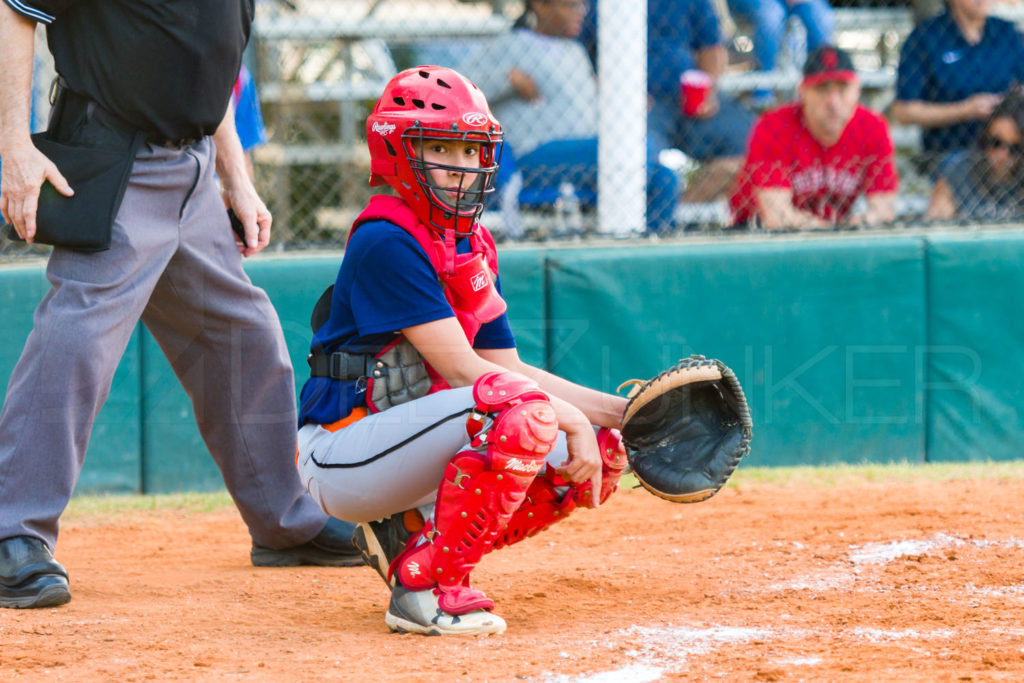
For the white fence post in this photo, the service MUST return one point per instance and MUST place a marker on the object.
(622, 117)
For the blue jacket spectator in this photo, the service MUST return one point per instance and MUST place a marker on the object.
(683, 35)
(953, 70)
(542, 88)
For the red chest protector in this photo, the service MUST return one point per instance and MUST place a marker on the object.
(467, 279)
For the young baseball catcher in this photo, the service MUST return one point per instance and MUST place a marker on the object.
(419, 420)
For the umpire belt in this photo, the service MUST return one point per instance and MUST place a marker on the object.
(344, 366)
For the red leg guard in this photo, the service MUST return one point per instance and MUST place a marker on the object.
(481, 490)
(551, 499)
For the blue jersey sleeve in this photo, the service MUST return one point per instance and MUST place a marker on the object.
(395, 285)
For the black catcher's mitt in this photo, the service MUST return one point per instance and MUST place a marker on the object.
(686, 430)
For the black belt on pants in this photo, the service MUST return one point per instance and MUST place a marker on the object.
(74, 105)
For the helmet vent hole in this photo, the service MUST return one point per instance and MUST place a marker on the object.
(419, 104)
(443, 84)
(400, 101)
(391, 150)
(438, 106)
(424, 74)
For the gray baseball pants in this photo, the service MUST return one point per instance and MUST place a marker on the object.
(390, 461)
(174, 265)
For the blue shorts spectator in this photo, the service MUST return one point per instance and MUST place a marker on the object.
(678, 30)
(547, 166)
(770, 17)
(722, 135)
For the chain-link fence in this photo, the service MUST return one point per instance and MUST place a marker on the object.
(709, 124)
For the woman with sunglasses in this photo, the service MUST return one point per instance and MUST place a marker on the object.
(987, 182)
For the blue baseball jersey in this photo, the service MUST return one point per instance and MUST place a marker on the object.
(386, 283)
(938, 65)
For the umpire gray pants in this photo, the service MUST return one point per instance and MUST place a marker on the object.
(173, 263)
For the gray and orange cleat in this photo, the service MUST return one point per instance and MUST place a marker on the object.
(419, 612)
(382, 541)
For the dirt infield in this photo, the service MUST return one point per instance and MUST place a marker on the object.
(860, 581)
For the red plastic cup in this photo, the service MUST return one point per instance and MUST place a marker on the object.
(694, 86)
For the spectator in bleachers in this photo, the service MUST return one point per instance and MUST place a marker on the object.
(986, 182)
(769, 19)
(810, 160)
(684, 35)
(542, 88)
(953, 70)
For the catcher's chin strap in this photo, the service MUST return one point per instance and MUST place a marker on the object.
(481, 489)
(550, 498)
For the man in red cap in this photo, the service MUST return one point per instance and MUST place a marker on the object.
(809, 161)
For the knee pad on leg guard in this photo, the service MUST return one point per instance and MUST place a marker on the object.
(481, 488)
(551, 499)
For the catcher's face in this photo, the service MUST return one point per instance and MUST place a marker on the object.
(449, 164)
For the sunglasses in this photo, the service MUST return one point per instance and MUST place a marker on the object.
(993, 142)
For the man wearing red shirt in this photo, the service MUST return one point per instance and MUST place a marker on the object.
(809, 161)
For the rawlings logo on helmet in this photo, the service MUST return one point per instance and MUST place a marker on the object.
(474, 118)
(383, 128)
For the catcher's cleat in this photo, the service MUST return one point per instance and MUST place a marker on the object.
(29, 576)
(418, 612)
(382, 541)
(332, 547)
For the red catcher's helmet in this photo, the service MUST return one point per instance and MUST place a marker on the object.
(425, 103)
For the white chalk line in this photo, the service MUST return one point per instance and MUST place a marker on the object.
(844, 575)
(667, 650)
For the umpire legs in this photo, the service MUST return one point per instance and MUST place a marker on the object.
(224, 341)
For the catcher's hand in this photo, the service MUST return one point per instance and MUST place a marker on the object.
(686, 430)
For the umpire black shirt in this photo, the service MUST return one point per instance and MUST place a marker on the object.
(165, 66)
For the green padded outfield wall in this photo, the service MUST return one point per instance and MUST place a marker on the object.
(851, 348)
(975, 374)
(818, 331)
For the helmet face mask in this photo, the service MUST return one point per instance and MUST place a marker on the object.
(475, 183)
(421, 107)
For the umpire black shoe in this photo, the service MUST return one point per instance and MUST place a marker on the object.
(332, 547)
(384, 540)
(29, 576)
